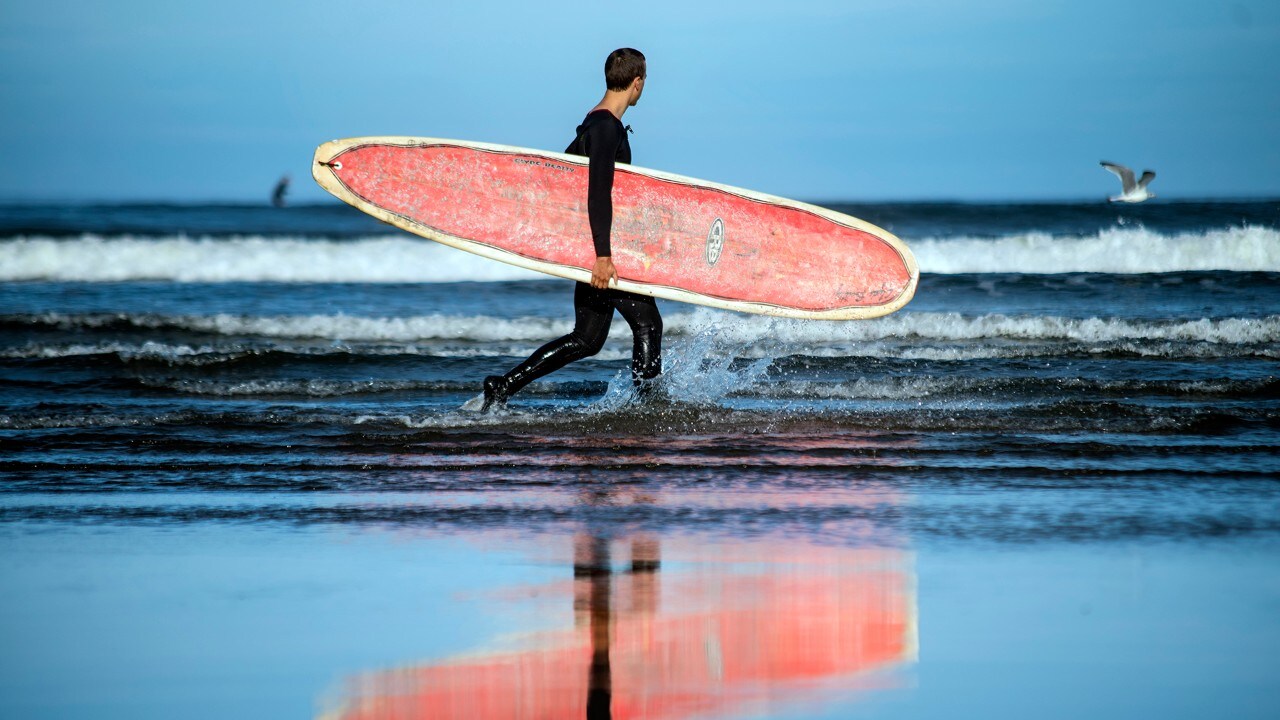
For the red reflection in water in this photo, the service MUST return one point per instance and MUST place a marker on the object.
(796, 448)
(716, 632)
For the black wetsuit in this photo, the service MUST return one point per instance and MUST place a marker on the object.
(603, 140)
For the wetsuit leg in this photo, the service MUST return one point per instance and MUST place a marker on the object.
(593, 314)
(641, 313)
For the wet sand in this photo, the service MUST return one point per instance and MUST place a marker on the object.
(218, 620)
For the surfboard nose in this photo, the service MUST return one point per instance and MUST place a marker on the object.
(324, 163)
(325, 152)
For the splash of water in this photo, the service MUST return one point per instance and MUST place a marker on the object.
(698, 369)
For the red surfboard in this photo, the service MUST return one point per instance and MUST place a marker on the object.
(673, 237)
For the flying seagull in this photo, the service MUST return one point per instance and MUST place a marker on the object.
(1132, 191)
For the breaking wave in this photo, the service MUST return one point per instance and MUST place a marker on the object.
(197, 340)
(391, 259)
(400, 258)
(1118, 251)
(730, 328)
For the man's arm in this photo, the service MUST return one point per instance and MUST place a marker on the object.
(602, 144)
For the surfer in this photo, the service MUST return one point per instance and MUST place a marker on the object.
(602, 138)
(277, 195)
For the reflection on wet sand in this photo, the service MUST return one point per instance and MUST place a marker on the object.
(677, 628)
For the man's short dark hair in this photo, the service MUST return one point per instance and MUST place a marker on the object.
(623, 66)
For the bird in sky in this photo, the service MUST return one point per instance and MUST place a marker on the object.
(1131, 190)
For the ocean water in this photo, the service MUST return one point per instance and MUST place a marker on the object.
(237, 478)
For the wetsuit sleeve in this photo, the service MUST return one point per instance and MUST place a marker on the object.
(602, 146)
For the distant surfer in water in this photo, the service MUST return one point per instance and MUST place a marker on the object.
(277, 195)
(602, 138)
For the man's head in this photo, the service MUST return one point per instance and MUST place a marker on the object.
(625, 71)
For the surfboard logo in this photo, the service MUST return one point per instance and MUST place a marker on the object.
(715, 241)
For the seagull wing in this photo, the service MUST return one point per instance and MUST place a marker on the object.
(1147, 176)
(1127, 182)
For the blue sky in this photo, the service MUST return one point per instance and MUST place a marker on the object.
(883, 99)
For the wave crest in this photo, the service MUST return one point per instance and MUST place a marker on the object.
(1117, 251)
(391, 259)
(729, 329)
(402, 259)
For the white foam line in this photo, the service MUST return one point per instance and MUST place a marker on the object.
(399, 258)
(730, 330)
(93, 258)
(1120, 251)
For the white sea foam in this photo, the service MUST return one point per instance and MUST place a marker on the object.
(730, 329)
(329, 327)
(908, 388)
(129, 351)
(94, 258)
(1118, 250)
(214, 354)
(955, 327)
(923, 386)
(387, 329)
(398, 258)
(311, 387)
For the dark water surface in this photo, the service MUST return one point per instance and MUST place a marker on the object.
(237, 478)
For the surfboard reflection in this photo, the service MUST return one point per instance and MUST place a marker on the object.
(714, 630)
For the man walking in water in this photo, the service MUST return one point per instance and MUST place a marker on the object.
(602, 138)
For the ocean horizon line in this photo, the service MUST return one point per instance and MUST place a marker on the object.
(825, 202)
